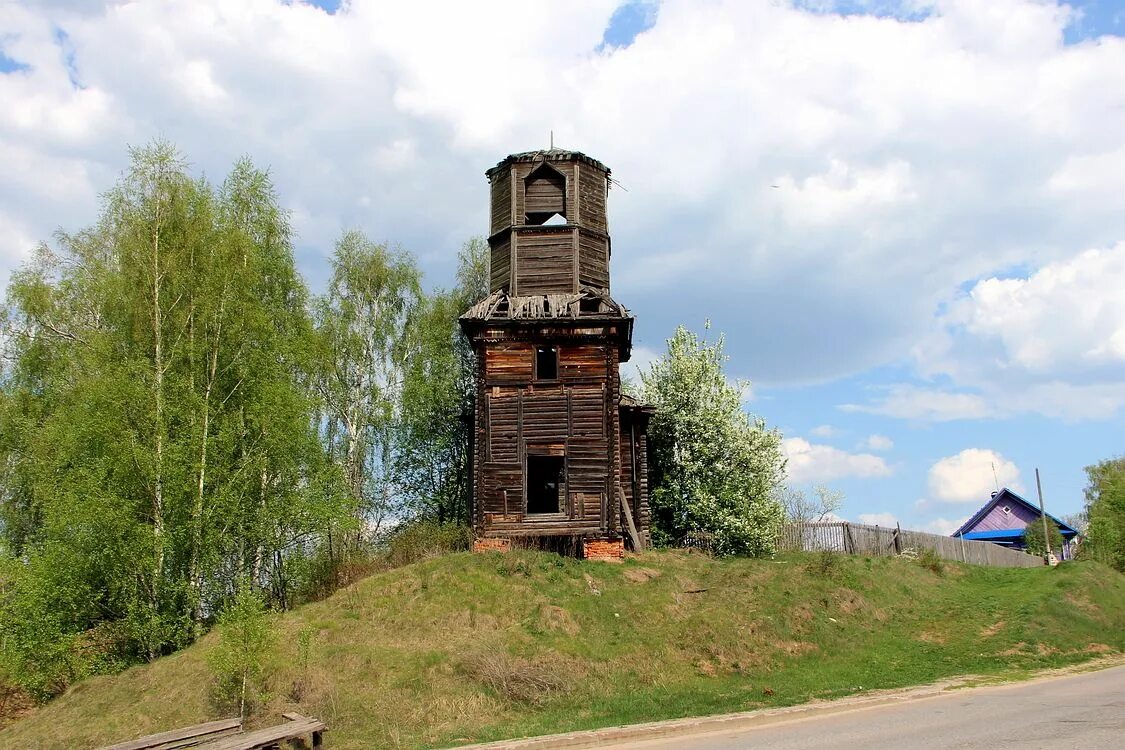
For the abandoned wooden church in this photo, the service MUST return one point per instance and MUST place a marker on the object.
(559, 455)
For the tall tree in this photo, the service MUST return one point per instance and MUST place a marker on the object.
(715, 469)
(437, 399)
(156, 427)
(361, 327)
(1105, 509)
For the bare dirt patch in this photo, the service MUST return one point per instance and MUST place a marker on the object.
(640, 575)
(992, 629)
(795, 648)
(1082, 602)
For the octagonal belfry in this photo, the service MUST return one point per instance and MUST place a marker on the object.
(559, 455)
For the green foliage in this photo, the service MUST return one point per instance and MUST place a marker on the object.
(715, 469)
(930, 560)
(423, 539)
(1034, 542)
(1105, 508)
(432, 460)
(394, 664)
(156, 426)
(361, 346)
(824, 564)
(238, 658)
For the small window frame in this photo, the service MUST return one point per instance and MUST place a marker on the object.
(541, 357)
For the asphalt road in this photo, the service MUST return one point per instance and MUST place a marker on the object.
(1077, 711)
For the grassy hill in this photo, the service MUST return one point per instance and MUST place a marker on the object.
(480, 647)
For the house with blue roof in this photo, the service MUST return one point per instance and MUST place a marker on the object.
(1003, 519)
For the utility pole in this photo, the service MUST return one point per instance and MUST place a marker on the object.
(1043, 514)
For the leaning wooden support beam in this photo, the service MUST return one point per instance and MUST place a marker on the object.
(634, 537)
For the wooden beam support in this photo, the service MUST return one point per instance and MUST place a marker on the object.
(634, 537)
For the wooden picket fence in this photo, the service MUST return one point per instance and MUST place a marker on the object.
(861, 539)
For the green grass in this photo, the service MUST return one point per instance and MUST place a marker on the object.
(482, 647)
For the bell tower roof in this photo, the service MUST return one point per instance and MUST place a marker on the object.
(547, 155)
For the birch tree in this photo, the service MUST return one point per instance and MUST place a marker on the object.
(432, 458)
(157, 424)
(361, 323)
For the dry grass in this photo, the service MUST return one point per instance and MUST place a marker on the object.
(480, 647)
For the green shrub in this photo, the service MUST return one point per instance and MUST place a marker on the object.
(1033, 538)
(824, 564)
(421, 540)
(237, 659)
(929, 560)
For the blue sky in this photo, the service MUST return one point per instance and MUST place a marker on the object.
(905, 216)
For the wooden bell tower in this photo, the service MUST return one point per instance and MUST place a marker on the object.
(559, 455)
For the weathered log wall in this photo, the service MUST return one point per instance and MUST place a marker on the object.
(573, 415)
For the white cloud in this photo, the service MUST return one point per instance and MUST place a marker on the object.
(1052, 343)
(812, 462)
(878, 519)
(971, 476)
(878, 443)
(911, 402)
(943, 526)
(640, 362)
(1067, 317)
(823, 431)
(909, 155)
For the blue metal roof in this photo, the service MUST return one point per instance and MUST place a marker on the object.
(996, 534)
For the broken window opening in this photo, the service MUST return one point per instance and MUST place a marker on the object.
(546, 363)
(545, 196)
(545, 482)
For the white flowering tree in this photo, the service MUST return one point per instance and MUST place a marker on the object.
(715, 469)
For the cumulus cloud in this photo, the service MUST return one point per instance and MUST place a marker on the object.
(1052, 342)
(813, 462)
(971, 476)
(823, 431)
(913, 402)
(878, 443)
(943, 526)
(878, 519)
(1067, 318)
(828, 178)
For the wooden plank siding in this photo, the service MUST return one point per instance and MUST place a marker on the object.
(500, 263)
(593, 260)
(545, 192)
(634, 453)
(501, 203)
(571, 415)
(592, 187)
(509, 362)
(545, 262)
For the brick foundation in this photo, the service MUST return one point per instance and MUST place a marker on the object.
(607, 550)
(492, 544)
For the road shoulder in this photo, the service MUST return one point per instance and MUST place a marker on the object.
(735, 722)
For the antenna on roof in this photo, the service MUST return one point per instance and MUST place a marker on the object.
(995, 481)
